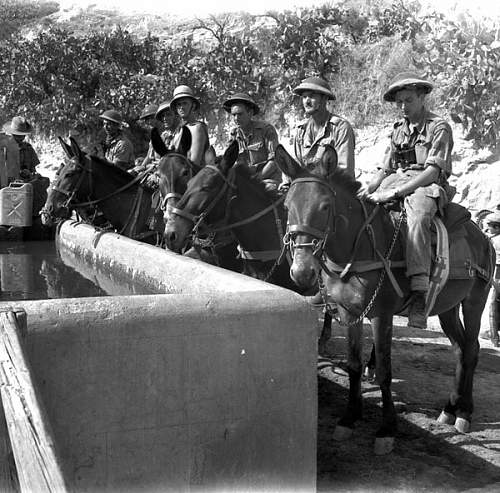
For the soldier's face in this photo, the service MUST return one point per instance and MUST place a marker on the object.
(313, 102)
(184, 107)
(241, 115)
(169, 119)
(111, 128)
(410, 103)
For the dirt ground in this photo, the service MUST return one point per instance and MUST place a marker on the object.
(428, 457)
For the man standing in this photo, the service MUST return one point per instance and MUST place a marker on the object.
(321, 127)
(117, 148)
(19, 128)
(257, 139)
(415, 170)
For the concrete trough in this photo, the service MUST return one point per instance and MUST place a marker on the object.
(210, 388)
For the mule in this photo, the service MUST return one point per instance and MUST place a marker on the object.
(224, 197)
(90, 185)
(354, 251)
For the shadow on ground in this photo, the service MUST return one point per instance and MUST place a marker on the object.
(428, 456)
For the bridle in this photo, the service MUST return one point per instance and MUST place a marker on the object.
(172, 194)
(198, 221)
(70, 194)
(319, 237)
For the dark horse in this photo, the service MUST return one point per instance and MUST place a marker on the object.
(330, 231)
(225, 197)
(89, 184)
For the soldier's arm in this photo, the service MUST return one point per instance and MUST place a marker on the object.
(123, 155)
(198, 143)
(344, 145)
(270, 171)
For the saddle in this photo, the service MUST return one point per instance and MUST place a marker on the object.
(452, 257)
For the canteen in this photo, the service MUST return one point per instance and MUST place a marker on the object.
(16, 204)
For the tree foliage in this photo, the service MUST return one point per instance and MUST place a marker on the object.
(64, 78)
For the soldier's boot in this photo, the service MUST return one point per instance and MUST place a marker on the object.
(416, 311)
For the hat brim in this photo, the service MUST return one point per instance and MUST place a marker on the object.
(110, 119)
(146, 115)
(227, 105)
(390, 94)
(173, 103)
(300, 89)
(8, 129)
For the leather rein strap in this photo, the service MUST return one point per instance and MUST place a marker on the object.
(320, 238)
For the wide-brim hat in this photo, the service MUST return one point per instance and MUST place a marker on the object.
(18, 126)
(149, 110)
(406, 80)
(112, 116)
(314, 84)
(240, 97)
(184, 92)
(494, 217)
(165, 106)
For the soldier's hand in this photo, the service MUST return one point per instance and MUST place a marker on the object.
(283, 187)
(382, 196)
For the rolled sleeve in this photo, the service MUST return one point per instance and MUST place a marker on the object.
(441, 148)
(344, 145)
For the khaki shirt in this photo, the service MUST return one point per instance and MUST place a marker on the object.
(337, 132)
(121, 152)
(257, 147)
(433, 142)
(9, 160)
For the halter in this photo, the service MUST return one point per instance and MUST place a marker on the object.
(198, 220)
(317, 244)
(172, 194)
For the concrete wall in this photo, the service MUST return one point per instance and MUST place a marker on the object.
(126, 260)
(209, 391)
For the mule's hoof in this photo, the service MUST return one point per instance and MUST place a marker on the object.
(384, 445)
(462, 425)
(446, 418)
(342, 433)
(369, 373)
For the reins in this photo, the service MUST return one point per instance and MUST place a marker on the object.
(331, 268)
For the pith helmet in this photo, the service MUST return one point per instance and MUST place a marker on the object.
(165, 106)
(18, 126)
(112, 116)
(494, 217)
(149, 110)
(240, 97)
(314, 84)
(184, 92)
(406, 80)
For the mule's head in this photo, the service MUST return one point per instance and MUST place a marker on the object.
(174, 168)
(310, 203)
(204, 201)
(66, 185)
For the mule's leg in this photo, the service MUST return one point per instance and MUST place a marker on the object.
(382, 338)
(326, 332)
(370, 365)
(466, 349)
(345, 425)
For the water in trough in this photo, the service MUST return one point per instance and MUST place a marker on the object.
(35, 270)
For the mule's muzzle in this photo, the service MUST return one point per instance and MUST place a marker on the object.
(305, 270)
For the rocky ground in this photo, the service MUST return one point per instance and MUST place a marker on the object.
(428, 456)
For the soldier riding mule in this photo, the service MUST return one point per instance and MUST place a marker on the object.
(355, 252)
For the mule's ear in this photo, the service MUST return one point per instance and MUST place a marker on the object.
(328, 162)
(210, 156)
(77, 152)
(185, 140)
(157, 142)
(230, 155)
(286, 163)
(66, 148)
